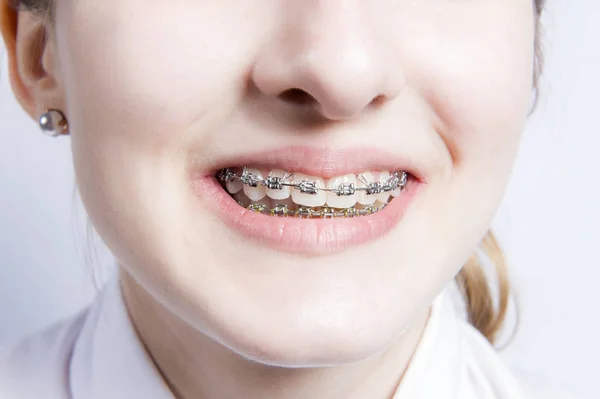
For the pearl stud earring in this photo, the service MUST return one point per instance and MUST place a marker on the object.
(54, 123)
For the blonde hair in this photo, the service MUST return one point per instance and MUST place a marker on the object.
(472, 280)
(475, 288)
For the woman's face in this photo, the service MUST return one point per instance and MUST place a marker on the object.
(162, 94)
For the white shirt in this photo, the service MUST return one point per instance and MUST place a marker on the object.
(96, 355)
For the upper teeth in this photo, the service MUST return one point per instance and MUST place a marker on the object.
(343, 194)
(340, 192)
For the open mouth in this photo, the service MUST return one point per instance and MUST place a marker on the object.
(281, 193)
(306, 200)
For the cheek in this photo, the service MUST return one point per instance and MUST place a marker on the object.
(141, 81)
(153, 71)
(475, 68)
(130, 101)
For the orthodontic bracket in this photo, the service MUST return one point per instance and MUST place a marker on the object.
(249, 178)
(345, 189)
(396, 180)
(307, 187)
(307, 212)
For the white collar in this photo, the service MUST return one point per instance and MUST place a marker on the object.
(109, 361)
(434, 369)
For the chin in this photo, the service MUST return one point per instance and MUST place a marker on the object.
(318, 347)
(322, 320)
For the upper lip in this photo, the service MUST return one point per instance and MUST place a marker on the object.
(322, 162)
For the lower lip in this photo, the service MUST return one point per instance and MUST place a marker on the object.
(303, 236)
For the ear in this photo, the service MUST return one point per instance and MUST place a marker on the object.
(31, 56)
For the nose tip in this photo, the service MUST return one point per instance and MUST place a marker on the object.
(340, 70)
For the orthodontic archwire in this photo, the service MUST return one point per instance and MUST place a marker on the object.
(396, 180)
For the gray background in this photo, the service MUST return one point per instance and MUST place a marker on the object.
(548, 223)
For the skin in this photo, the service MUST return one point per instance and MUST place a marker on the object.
(152, 88)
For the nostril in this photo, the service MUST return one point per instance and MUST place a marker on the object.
(297, 96)
(379, 100)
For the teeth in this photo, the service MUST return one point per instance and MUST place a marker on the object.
(234, 186)
(255, 193)
(327, 213)
(279, 193)
(280, 210)
(263, 205)
(403, 180)
(342, 201)
(363, 197)
(304, 212)
(258, 208)
(304, 198)
(287, 202)
(371, 209)
(350, 212)
(384, 196)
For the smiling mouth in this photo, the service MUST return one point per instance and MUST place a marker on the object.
(306, 200)
(280, 193)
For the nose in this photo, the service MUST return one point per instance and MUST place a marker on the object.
(327, 55)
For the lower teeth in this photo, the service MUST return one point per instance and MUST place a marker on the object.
(307, 212)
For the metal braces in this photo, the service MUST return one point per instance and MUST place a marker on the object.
(307, 212)
(396, 180)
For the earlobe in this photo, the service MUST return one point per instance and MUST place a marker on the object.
(30, 58)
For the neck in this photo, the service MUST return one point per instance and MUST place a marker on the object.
(195, 366)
